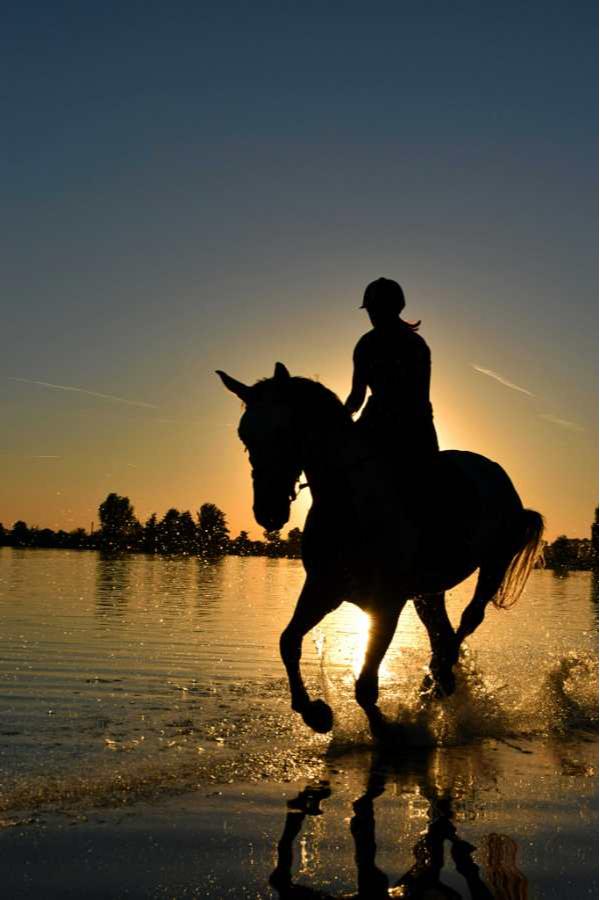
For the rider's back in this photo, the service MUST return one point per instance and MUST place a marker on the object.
(395, 363)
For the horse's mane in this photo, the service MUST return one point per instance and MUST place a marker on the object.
(308, 396)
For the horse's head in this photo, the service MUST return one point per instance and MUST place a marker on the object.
(268, 431)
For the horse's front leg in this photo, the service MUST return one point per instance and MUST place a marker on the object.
(314, 602)
(431, 609)
(381, 631)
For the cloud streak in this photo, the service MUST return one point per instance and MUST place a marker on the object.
(501, 380)
(78, 390)
(562, 423)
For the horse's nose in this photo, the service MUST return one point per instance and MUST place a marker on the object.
(270, 521)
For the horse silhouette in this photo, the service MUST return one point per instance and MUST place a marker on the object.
(470, 514)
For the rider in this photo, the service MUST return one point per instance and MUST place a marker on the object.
(394, 362)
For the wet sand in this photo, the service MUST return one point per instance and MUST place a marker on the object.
(511, 820)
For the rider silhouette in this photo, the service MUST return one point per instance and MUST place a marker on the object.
(394, 362)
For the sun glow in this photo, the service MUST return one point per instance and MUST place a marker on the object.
(347, 634)
(357, 637)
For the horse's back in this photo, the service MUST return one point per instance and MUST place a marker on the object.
(486, 478)
(472, 496)
(463, 499)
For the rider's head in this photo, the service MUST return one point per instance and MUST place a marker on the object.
(383, 301)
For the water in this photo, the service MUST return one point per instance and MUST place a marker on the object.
(147, 679)
(145, 673)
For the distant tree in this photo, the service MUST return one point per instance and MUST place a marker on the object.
(274, 546)
(241, 545)
(78, 539)
(169, 538)
(583, 553)
(3, 535)
(46, 538)
(213, 533)
(62, 539)
(559, 554)
(188, 534)
(570, 553)
(150, 542)
(294, 543)
(20, 535)
(119, 529)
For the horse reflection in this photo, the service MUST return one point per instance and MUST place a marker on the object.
(423, 879)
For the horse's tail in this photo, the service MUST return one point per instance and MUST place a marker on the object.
(529, 552)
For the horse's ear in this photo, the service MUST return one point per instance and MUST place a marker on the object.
(281, 373)
(236, 387)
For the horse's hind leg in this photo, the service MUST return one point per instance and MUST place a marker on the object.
(491, 576)
(315, 601)
(431, 609)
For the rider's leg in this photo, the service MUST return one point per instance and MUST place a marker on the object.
(417, 493)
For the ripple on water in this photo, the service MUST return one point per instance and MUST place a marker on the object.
(171, 679)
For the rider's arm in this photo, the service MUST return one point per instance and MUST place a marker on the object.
(356, 397)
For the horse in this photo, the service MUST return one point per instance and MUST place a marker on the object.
(473, 519)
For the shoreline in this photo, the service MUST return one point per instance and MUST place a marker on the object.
(559, 571)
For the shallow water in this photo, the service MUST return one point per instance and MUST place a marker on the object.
(118, 672)
(123, 680)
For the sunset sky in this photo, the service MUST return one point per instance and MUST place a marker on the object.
(201, 185)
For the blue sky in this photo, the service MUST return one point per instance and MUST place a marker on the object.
(195, 186)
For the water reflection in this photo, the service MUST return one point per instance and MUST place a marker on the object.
(444, 786)
(501, 870)
(167, 586)
(210, 584)
(113, 585)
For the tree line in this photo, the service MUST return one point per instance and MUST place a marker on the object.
(206, 534)
(571, 554)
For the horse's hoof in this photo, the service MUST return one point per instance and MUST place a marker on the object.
(427, 685)
(444, 685)
(437, 686)
(366, 691)
(318, 716)
(379, 725)
(280, 879)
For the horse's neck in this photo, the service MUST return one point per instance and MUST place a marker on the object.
(347, 476)
(328, 461)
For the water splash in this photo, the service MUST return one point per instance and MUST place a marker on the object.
(569, 696)
(552, 702)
